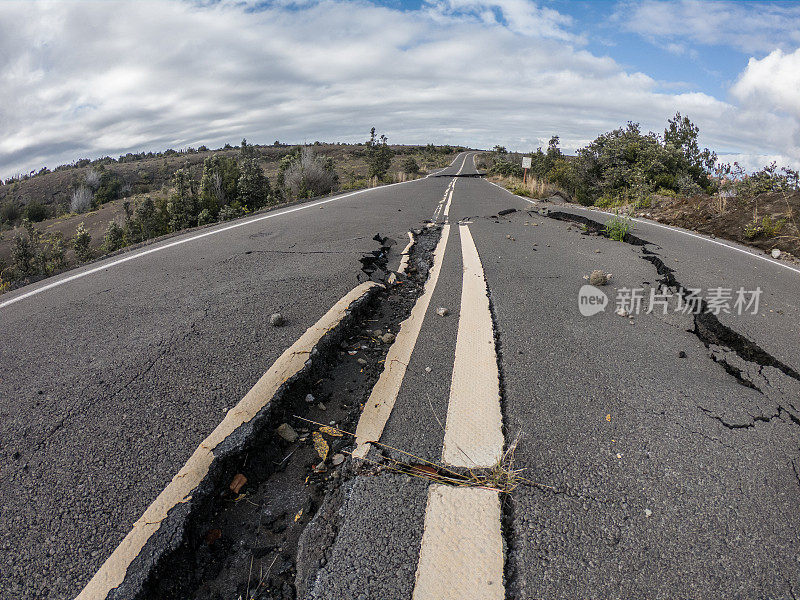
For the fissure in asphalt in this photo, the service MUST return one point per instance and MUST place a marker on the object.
(718, 338)
(242, 541)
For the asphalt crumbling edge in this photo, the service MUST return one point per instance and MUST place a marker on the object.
(160, 529)
(507, 502)
(149, 551)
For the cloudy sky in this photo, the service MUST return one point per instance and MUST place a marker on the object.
(86, 79)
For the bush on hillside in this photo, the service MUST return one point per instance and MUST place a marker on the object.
(253, 189)
(82, 199)
(218, 183)
(9, 212)
(80, 243)
(35, 212)
(410, 166)
(307, 175)
(114, 238)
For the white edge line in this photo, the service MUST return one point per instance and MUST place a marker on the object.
(670, 228)
(165, 246)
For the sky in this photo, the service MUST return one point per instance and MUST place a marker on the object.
(89, 79)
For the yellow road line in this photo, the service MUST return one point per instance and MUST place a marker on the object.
(180, 489)
(462, 547)
(473, 431)
(383, 396)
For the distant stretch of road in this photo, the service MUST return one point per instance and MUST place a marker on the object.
(659, 464)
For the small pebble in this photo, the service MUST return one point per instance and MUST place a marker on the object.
(337, 459)
(309, 398)
(361, 361)
(276, 319)
(287, 433)
(442, 311)
(388, 338)
(428, 369)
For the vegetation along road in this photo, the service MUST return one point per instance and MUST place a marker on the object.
(431, 389)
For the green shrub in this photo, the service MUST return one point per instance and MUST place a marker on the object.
(80, 243)
(33, 254)
(9, 212)
(618, 227)
(506, 169)
(114, 238)
(232, 211)
(253, 186)
(358, 183)
(110, 188)
(35, 212)
(768, 228)
(410, 166)
(205, 217)
(23, 255)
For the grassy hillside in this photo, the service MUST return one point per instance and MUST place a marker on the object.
(132, 199)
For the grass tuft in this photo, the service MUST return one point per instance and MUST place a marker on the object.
(618, 227)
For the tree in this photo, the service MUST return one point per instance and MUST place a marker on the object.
(410, 166)
(246, 151)
(113, 238)
(379, 155)
(683, 135)
(553, 151)
(253, 186)
(218, 184)
(182, 207)
(80, 243)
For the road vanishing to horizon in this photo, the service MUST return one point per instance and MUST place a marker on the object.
(455, 401)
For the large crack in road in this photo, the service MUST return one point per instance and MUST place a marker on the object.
(721, 341)
(243, 540)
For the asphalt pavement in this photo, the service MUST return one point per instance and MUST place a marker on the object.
(653, 464)
(108, 382)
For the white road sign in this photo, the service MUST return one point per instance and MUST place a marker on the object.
(526, 162)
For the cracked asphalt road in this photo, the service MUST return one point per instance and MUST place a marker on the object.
(671, 478)
(653, 493)
(109, 382)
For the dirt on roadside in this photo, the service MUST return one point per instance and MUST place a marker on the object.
(735, 219)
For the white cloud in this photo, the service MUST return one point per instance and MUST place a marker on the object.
(87, 79)
(747, 26)
(775, 80)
